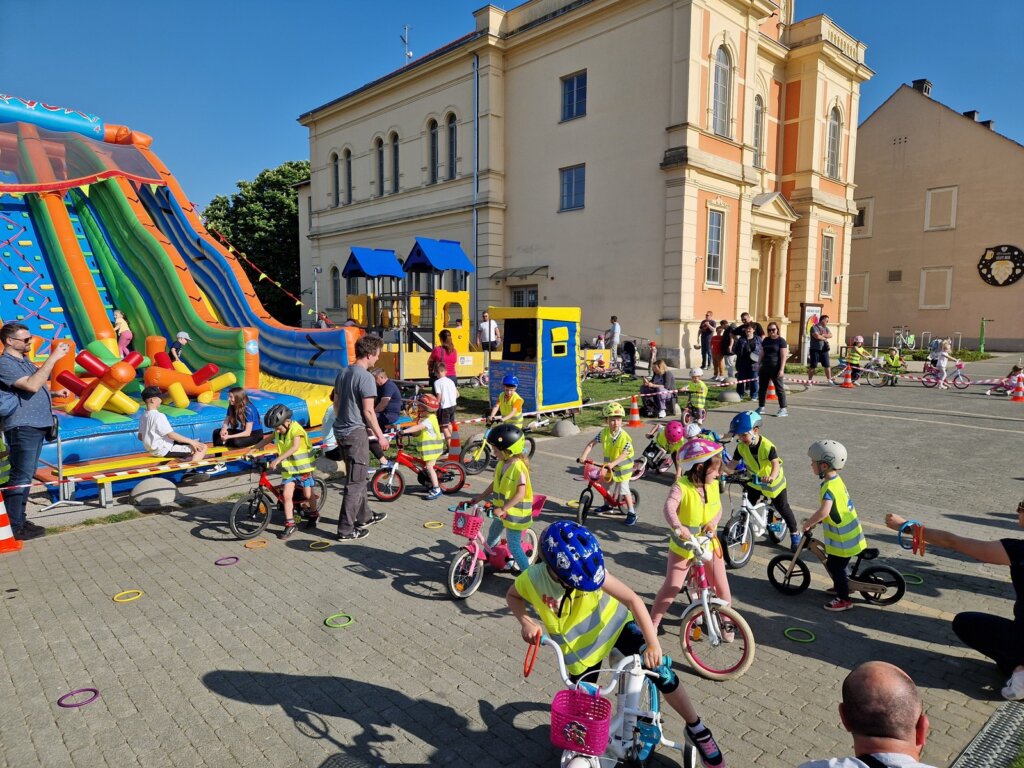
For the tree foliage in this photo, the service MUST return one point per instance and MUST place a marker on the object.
(261, 220)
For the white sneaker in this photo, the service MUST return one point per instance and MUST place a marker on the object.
(661, 414)
(1014, 690)
(782, 412)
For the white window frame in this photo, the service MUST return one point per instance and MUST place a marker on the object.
(868, 204)
(928, 210)
(825, 280)
(708, 282)
(525, 291)
(758, 131)
(833, 144)
(867, 284)
(722, 120)
(949, 288)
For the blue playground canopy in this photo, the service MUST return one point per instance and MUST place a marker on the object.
(437, 255)
(372, 262)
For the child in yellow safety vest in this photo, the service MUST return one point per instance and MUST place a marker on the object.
(618, 457)
(587, 612)
(893, 365)
(429, 442)
(697, 393)
(855, 354)
(671, 439)
(296, 459)
(762, 460)
(511, 491)
(510, 404)
(844, 538)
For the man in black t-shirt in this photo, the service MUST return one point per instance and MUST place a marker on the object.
(741, 329)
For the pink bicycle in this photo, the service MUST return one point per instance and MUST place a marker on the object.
(466, 570)
(933, 377)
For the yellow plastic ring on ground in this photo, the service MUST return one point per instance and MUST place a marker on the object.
(433, 524)
(912, 579)
(573, 503)
(330, 621)
(319, 544)
(256, 544)
(128, 595)
(794, 634)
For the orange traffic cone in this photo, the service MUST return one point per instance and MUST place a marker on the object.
(1018, 391)
(455, 444)
(7, 541)
(634, 414)
(771, 392)
(848, 378)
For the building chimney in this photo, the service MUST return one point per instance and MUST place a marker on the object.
(990, 124)
(922, 85)
(973, 114)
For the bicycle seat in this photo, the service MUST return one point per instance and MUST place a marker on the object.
(869, 554)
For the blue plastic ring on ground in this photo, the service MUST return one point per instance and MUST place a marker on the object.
(789, 632)
(899, 534)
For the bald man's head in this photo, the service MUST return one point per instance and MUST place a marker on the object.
(880, 700)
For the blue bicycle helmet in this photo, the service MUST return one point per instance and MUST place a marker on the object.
(510, 380)
(742, 423)
(574, 554)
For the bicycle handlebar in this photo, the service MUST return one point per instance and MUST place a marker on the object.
(616, 671)
(702, 546)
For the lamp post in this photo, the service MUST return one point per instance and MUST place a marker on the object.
(981, 339)
(316, 292)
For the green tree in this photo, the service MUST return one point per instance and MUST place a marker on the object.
(261, 220)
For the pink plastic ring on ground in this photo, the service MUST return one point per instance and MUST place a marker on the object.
(63, 700)
(229, 560)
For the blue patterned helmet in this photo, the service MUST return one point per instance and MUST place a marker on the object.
(574, 554)
(744, 422)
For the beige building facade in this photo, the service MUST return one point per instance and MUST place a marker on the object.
(939, 238)
(651, 159)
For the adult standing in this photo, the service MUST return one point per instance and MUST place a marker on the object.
(613, 335)
(26, 428)
(774, 351)
(746, 320)
(748, 361)
(729, 349)
(883, 712)
(818, 348)
(354, 393)
(706, 331)
(488, 334)
(445, 353)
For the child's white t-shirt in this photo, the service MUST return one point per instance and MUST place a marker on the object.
(943, 359)
(446, 392)
(153, 430)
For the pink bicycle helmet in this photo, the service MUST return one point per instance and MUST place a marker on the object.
(674, 432)
(858, 339)
(698, 451)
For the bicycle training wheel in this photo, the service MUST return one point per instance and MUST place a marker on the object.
(961, 381)
(737, 540)
(876, 378)
(774, 518)
(450, 476)
(731, 657)
(461, 583)
(385, 486)
(583, 508)
(930, 380)
(249, 516)
(475, 461)
(793, 584)
(895, 584)
(531, 545)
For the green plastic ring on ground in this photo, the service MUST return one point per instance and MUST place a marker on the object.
(789, 632)
(319, 544)
(132, 594)
(433, 524)
(329, 621)
(912, 578)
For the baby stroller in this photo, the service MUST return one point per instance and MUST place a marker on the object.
(627, 351)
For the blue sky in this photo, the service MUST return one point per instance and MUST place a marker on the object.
(219, 83)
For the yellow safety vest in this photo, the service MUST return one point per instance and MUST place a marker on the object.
(509, 405)
(613, 448)
(590, 623)
(893, 362)
(698, 393)
(506, 482)
(762, 467)
(301, 462)
(666, 445)
(5, 462)
(854, 354)
(428, 443)
(843, 534)
(694, 513)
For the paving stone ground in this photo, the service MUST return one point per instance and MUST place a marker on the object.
(232, 666)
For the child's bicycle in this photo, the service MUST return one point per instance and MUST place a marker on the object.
(878, 584)
(592, 473)
(594, 732)
(933, 376)
(692, 413)
(466, 570)
(250, 515)
(716, 640)
(477, 455)
(654, 458)
(747, 523)
(388, 484)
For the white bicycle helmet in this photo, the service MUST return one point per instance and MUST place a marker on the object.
(828, 452)
(696, 372)
(693, 430)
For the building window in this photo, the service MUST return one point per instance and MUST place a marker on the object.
(435, 155)
(394, 163)
(574, 96)
(716, 237)
(828, 250)
(335, 181)
(352, 286)
(335, 288)
(936, 289)
(573, 187)
(348, 177)
(453, 146)
(758, 132)
(832, 156)
(895, 276)
(525, 296)
(378, 153)
(862, 222)
(940, 209)
(723, 87)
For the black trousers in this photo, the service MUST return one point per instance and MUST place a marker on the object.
(998, 638)
(840, 578)
(780, 502)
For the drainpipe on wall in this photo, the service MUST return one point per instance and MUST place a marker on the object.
(476, 189)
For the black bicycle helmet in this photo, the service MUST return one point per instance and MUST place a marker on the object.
(277, 415)
(507, 437)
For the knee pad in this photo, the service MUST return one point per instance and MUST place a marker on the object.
(667, 680)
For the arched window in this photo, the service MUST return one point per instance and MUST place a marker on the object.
(335, 288)
(378, 152)
(434, 160)
(723, 87)
(758, 132)
(348, 176)
(335, 180)
(832, 151)
(394, 163)
(453, 146)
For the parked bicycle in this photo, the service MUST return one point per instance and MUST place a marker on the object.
(477, 454)
(878, 584)
(250, 515)
(466, 570)
(388, 484)
(933, 376)
(595, 482)
(748, 523)
(902, 338)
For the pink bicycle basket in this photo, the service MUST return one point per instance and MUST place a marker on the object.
(592, 472)
(466, 524)
(580, 721)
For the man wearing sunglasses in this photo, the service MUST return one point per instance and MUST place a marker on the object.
(25, 429)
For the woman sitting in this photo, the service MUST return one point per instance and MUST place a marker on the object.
(242, 426)
(658, 391)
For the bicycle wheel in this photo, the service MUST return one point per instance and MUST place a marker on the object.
(729, 659)
(836, 374)
(461, 583)
(895, 584)
(930, 380)
(585, 503)
(794, 583)
(647, 733)
(531, 447)
(475, 461)
(960, 380)
(385, 486)
(319, 494)
(633, 494)
(531, 545)
(737, 540)
(639, 468)
(450, 476)
(876, 378)
(249, 516)
(774, 518)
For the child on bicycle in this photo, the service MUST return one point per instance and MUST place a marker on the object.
(618, 457)
(512, 491)
(510, 404)
(670, 440)
(855, 353)
(697, 395)
(893, 364)
(942, 361)
(447, 397)
(429, 441)
(844, 538)
(589, 612)
(295, 458)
